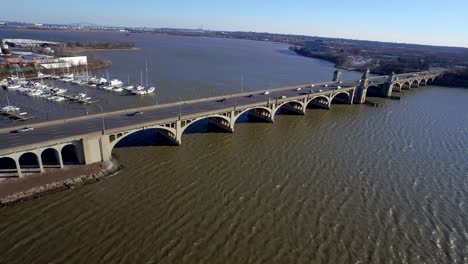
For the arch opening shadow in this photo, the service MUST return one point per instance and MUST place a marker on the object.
(341, 98)
(396, 87)
(285, 109)
(319, 102)
(8, 168)
(203, 126)
(415, 84)
(29, 162)
(246, 117)
(50, 158)
(374, 91)
(144, 138)
(70, 155)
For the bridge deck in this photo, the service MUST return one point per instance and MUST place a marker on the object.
(72, 129)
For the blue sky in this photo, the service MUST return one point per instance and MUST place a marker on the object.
(411, 21)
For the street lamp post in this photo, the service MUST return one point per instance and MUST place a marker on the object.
(102, 117)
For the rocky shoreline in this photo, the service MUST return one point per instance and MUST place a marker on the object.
(74, 178)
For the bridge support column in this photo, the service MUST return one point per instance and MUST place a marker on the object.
(388, 88)
(39, 161)
(18, 168)
(337, 76)
(96, 149)
(361, 91)
(60, 159)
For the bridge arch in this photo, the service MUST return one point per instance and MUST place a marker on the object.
(51, 158)
(320, 101)
(169, 131)
(292, 103)
(406, 85)
(340, 97)
(70, 155)
(374, 90)
(422, 82)
(224, 118)
(259, 108)
(415, 84)
(396, 87)
(8, 167)
(29, 162)
(429, 81)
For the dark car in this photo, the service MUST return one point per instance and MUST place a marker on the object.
(136, 113)
(250, 96)
(222, 100)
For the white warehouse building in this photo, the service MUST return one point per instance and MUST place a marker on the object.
(66, 62)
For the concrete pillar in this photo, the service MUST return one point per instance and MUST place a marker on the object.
(95, 149)
(60, 158)
(361, 91)
(41, 165)
(337, 76)
(18, 168)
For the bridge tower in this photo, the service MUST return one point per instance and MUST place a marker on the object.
(387, 91)
(337, 76)
(361, 91)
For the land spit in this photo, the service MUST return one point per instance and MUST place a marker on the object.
(16, 190)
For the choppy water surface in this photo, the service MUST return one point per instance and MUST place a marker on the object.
(354, 184)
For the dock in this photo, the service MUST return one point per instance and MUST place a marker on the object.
(13, 115)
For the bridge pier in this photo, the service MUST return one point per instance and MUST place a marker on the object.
(18, 168)
(361, 91)
(95, 150)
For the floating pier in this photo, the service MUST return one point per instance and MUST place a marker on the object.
(13, 115)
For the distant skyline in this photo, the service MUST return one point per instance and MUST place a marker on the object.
(422, 22)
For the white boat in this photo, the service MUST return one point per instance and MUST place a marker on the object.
(102, 81)
(10, 108)
(115, 83)
(59, 99)
(107, 88)
(66, 79)
(118, 89)
(13, 86)
(129, 88)
(68, 76)
(150, 90)
(139, 92)
(42, 75)
(81, 95)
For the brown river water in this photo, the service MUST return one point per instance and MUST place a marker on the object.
(354, 184)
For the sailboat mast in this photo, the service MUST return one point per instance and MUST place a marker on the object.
(146, 66)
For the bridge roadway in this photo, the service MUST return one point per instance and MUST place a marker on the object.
(64, 129)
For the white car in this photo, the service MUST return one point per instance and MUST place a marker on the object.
(338, 87)
(266, 93)
(24, 129)
(298, 89)
(320, 90)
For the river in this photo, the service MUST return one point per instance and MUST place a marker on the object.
(354, 184)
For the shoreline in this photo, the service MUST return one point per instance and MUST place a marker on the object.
(73, 51)
(18, 190)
